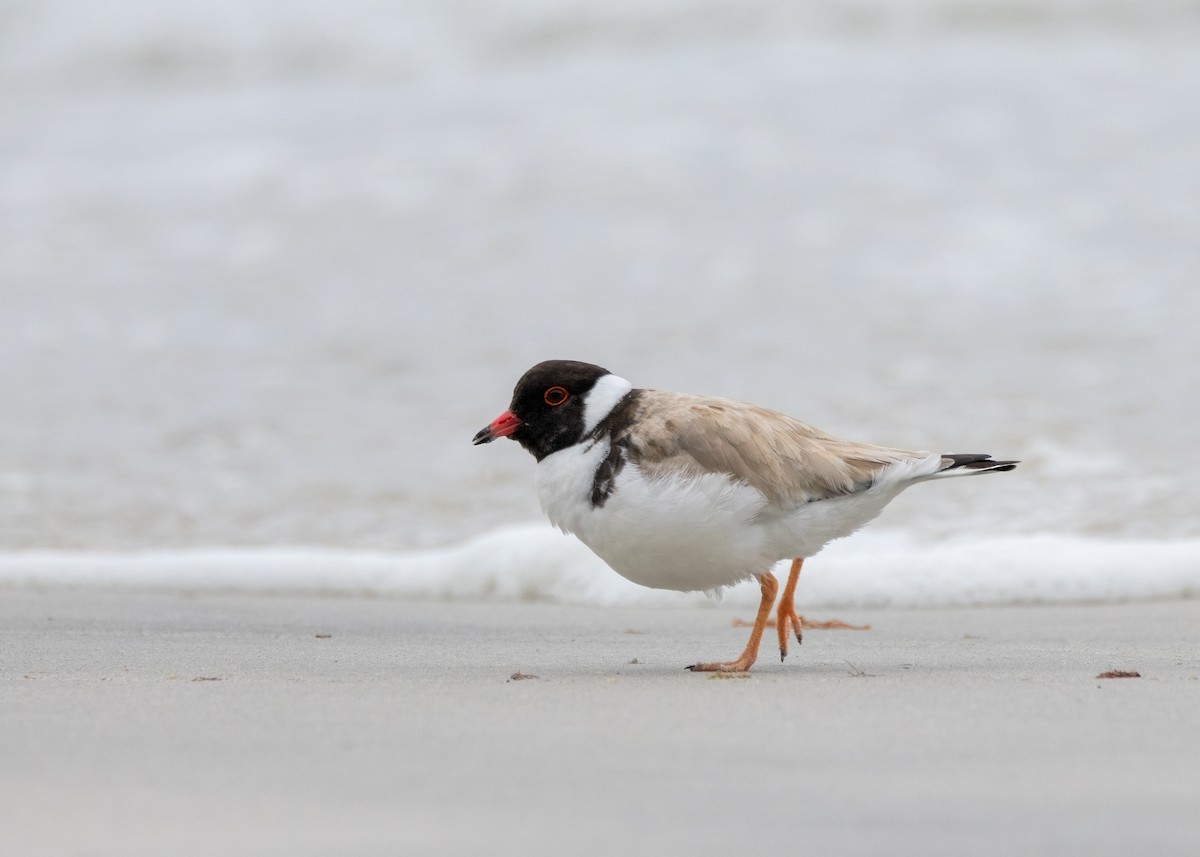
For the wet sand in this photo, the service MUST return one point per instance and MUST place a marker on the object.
(152, 724)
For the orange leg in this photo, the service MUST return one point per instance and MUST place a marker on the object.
(786, 613)
(789, 617)
(769, 587)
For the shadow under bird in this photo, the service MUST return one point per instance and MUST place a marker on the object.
(683, 492)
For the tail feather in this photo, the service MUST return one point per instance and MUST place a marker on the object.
(966, 464)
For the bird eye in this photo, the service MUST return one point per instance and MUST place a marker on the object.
(555, 396)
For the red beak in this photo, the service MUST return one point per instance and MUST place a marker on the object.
(501, 426)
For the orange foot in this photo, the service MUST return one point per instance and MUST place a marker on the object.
(741, 665)
(769, 587)
(835, 625)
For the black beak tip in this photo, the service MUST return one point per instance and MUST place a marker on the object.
(484, 435)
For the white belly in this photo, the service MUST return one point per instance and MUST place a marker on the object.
(695, 533)
(682, 534)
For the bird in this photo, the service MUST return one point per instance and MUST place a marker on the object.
(697, 493)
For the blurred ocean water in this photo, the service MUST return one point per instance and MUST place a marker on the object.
(265, 267)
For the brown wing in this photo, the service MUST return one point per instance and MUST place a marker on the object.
(790, 462)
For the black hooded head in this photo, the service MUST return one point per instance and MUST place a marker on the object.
(549, 401)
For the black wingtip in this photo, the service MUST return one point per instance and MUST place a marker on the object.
(976, 461)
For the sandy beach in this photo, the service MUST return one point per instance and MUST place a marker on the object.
(151, 724)
(268, 267)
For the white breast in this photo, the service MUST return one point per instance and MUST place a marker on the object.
(697, 533)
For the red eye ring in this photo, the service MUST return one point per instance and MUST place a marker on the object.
(555, 396)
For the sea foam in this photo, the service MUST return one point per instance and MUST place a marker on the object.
(536, 562)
